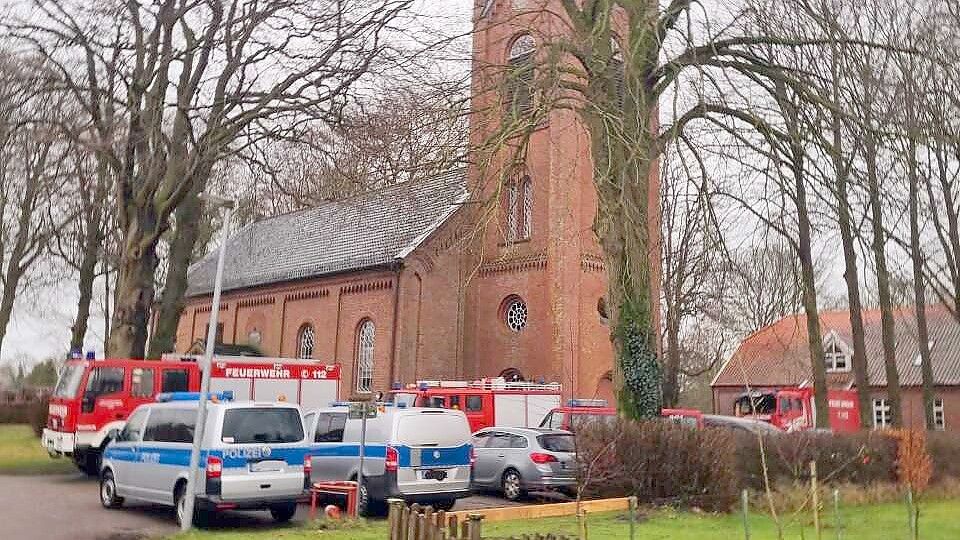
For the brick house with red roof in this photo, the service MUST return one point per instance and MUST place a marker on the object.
(778, 356)
(418, 280)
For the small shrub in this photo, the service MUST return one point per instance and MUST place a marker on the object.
(37, 415)
(944, 449)
(658, 462)
(15, 413)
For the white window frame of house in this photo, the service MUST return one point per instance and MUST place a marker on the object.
(366, 334)
(882, 419)
(939, 415)
(833, 352)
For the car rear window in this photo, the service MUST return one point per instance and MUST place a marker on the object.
(262, 425)
(433, 429)
(557, 443)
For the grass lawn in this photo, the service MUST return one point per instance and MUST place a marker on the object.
(21, 453)
(938, 520)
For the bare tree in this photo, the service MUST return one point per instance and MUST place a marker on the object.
(31, 175)
(200, 81)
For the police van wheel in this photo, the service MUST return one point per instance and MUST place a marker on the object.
(511, 484)
(284, 512)
(367, 507)
(108, 491)
(180, 504)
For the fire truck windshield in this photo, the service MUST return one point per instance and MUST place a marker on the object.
(756, 404)
(69, 381)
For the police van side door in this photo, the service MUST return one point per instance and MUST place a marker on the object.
(165, 452)
(123, 453)
(331, 458)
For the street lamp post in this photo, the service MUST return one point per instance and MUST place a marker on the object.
(190, 494)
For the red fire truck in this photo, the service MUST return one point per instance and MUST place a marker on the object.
(486, 402)
(792, 408)
(94, 396)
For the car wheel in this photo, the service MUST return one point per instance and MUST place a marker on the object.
(367, 507)
(108, 491)
(283, 513)
(510, 485)
(444, 504)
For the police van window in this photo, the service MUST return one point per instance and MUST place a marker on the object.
(141, 382)
(474, 403)
(261, 425)
(174, 380)
(330, 427)
(170, 425)
(517, 441)
(134, 427)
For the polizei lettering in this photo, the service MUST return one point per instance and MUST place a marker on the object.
(256, 373)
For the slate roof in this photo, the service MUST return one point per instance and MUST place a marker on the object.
(777, 355)
(365, 231)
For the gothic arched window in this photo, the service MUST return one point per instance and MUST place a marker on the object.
(519, 209)
(526, 207)
(520, 75)
(305, 341)
(365, 338)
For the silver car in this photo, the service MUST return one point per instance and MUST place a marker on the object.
(515, 461)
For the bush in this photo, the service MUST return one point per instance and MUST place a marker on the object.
(658, 462)
(944, 449)
(33, 413)
(857, 458)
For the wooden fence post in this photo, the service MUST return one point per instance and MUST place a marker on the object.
(452, 528)
(745, 510)
(393, 517)
(474, 530)
(815, 496)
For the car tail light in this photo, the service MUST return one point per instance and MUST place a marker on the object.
(540, 458)
(214, 467)
(392, 461)
(307, 465)
(473, 457)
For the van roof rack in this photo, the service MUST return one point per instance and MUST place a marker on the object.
(166, 397)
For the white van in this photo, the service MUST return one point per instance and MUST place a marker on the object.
(254, 456)
(416, 454)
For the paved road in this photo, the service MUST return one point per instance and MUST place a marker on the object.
(66, 507)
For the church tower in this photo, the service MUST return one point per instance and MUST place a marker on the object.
(535, 301)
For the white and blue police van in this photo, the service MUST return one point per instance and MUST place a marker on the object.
(417, 454)
(254, 456)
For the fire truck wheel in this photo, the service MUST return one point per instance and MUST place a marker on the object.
(108, 491)
(284, 512)
(511, 485)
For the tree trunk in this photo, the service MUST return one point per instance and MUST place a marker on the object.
(888, 336)
(919, 293)
(171, 305)
(852, 278)
(671, 372)
(93, 238)
(134, 289)
(808, 278)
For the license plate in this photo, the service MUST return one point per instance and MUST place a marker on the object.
(434, 474)
(266, 466)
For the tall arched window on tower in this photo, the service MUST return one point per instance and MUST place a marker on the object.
(365, 337)
(520, 74)
(615, 68)
(305, 341)
(526, 207)
(513, 208)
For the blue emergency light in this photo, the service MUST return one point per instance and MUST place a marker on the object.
(226, 395)
(587, 403)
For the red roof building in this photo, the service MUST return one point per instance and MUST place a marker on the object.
(778, 356)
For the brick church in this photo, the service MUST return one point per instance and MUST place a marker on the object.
(418, 280)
